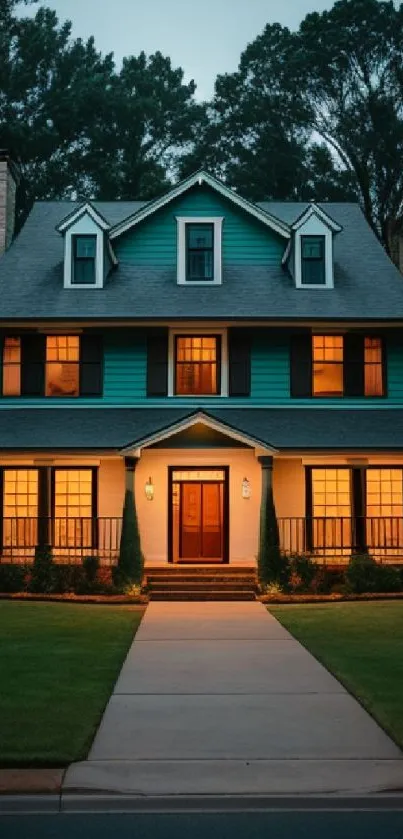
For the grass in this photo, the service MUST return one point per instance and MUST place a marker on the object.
(58, 665)
(362, 645)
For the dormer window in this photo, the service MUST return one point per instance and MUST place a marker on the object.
(313, 268)
(84, 256)
(199, 251)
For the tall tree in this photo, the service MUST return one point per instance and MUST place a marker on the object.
(80, 128)
(351, 61)
(257, 132)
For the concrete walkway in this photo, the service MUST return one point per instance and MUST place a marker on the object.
(218, 699)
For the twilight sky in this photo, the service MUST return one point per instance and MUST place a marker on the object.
(205, 39)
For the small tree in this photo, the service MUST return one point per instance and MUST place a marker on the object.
(43, 571)
(130, 562)
(270, 563)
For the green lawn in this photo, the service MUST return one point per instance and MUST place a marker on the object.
(58, 665)
(362, 644)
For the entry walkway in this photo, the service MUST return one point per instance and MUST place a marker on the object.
(218, 699)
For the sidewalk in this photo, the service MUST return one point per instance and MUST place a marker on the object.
(218, 699)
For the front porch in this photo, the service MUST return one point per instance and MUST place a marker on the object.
(198, 487)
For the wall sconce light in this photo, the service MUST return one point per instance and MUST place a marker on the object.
(246, 490)
(149, 488)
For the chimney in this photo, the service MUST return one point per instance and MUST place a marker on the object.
(9, 180)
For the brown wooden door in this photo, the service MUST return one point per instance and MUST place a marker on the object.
(201, 521)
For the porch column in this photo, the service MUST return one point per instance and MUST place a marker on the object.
(266, 463)
(130, 468)
(44, 539)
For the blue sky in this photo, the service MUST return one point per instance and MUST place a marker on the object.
(204, 38)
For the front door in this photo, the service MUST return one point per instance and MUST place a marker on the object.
(198, 516)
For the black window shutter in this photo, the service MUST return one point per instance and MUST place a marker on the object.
(1, 363)
(91, 365)
(33, 359)
(239, 362)
(301, 365)
(157, 364)
(353, 364)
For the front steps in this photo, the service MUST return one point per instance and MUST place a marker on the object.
(201, 582)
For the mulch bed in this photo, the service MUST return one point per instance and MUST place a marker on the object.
(327, 598)
(112, 599)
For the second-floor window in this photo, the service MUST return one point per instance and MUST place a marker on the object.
(351, 365)
(197, 365)
(52, 365)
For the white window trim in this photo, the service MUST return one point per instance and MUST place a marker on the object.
(182, 221)
(68, 259)
(190, 330)
(329, 274)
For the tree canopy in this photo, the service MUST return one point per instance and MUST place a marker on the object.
(315, 113)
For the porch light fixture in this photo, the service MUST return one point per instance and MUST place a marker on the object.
(149, 488)
(246, 490)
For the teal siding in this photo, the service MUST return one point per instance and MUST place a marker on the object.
(246, 241)
(125, 373)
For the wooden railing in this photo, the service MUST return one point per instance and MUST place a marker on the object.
(70, 538)
(339, 537)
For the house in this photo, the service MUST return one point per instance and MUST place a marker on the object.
(201, 349)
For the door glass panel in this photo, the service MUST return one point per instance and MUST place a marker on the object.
(191, 531)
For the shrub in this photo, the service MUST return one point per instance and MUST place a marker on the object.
(130, 564)
(91, 568)
(270, 560)
(301, 573)
(364, 574)
(43, 571)
(13, 578)
(67, 578)
(389, 579)
(272, 589)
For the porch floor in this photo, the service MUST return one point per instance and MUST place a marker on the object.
(219, 699)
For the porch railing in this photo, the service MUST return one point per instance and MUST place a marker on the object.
(70, 538)
(336, 538)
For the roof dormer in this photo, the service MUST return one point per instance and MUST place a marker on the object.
(309, 255)
(88, 254)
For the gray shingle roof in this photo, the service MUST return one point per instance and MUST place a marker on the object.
(306, 429)
(367, 284)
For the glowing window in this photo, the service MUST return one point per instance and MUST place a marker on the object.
(197, 365)
(327, 367)
(73, 506)
(331, 509)
(62, 365)
(20, 507)
(12, 367)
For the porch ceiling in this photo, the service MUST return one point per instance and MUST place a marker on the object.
(283, 429)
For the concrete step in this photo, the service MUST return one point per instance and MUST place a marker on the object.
(202, 595)
(216, 585)
(167, 579)
(200, 570)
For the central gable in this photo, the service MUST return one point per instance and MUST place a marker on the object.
(245, 240)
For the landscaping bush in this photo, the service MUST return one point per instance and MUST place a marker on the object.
(364, 574)
(271, 565)
(389, 579)
(13, 578)
(301, 573)
(43, 571)
(130, 561)
(91, 568)
(328, 581)
(68, 578)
